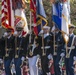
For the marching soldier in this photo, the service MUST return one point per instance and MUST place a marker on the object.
(7, 44)
(20, 49)
(45, 49)
(60, 52)
(33, 54)
(71, 47)
(55, 32)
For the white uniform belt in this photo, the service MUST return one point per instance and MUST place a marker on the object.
(46, 47)
(72, 47)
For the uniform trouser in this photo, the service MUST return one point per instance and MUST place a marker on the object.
(57, 68)
(54, 58)
(44, 64)
(33, 65)
(69, 65)
(18, 63)
(7, 66)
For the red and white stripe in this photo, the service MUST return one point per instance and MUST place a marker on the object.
(6, 14)
(21, 21)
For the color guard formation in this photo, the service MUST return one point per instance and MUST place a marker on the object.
(39, 49)
(38, 57)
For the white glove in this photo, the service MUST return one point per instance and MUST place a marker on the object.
(5, 34)
(1, 61)
(50, 56)
(74, 58)
(62, 54)
(38, 56)
(22, 58)
(15, 33)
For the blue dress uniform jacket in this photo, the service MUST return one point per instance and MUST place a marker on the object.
(30, 46)
(22, 46)
(22, 43)
(9, 45)
(70, 60)
(47, 43)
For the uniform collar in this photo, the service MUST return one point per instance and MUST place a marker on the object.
(19, 35)
(45, 35)
(9, 36)
(70, 34)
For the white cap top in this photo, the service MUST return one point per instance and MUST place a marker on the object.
(46, 27)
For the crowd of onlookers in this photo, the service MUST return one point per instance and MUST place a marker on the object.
(24, 68)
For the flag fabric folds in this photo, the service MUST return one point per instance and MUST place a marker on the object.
(6, 17)
(41, 16)
(17, 4)
(61, 18)
(21, 21)
(19, 15)
(33, 10)
(13, 15)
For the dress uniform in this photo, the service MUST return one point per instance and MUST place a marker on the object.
(7, 44)
(20, 49)
(1, 50)
(71, 47)
(55, 34)
(45, 49)
(32, 55)
(60, 51)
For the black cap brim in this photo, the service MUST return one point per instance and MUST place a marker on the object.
(19, 28)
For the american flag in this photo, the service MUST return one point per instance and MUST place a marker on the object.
(6, 17)
(13, 16)
(33, 10)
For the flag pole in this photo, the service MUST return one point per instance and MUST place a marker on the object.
(54, 44)
(30, 53)
(67, 54)
(54, 37)
(16, 55)
(43, 52)
(30, 27)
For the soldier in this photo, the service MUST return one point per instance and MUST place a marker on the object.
(7, 44)
(32, 54)
(20, 49)
(71, 47)
(60, 53)
(45, 49)
(55, 32)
